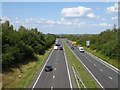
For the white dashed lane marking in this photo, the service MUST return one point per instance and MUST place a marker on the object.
(100, 69)
(53, 76)
(51, 87)
(110, 77)
(55, 69)
(94, 64)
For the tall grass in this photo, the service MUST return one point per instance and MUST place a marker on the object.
(23, 76)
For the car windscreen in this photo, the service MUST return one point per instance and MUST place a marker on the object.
(47, 66)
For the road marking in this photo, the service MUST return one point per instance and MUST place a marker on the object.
(86, 57)
(67, 69)
(55, 63)
(53, 76)
(89, 60)
(104, 63)
(101, 70)
(55, 69)
(94, 64)
(42, 69)
(110, 78)
(88, 70)
(52, 88)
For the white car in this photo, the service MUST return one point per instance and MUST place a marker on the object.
(55, 47)
(81, 49)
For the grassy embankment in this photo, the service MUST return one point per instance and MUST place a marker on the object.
(113, 62)
(23, 77)
(74, 62)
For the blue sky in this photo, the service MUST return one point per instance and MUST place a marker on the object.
(62, 17)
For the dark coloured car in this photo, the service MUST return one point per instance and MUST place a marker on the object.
(48, 68)
(72, 48)
(61, 48)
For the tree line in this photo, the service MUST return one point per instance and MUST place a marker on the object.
(20, 45)
(107, 42)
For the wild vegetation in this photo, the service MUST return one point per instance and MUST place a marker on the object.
(80, 70)
(105, 43)
(20, 45)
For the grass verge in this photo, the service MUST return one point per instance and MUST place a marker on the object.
(23, 77)
(113, 62)
(84, 75)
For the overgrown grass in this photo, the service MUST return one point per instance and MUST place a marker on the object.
(85, 76)
(114, 62)
(22, 77)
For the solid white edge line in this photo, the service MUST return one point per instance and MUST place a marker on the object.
(51, 87)
(110, 78)
(104, 62)
(67, 68)
(42, 69)
(88, 70)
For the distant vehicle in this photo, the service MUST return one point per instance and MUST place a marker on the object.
(81, 49)
(57, 43)
(48, 68)
(74, 44)
(61, 48)
(66, 41)
(72, 48)
(55, 47)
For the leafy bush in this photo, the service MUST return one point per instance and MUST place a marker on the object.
(20, 45)
(106, 42)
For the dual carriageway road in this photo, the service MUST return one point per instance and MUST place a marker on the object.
(105, 75)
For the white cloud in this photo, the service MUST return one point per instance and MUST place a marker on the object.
(103, 25)
(16, 18)
(103, 19)
(63, 25)
(98, 8)
(66, 23)
(91, 15)
(114, 18)
(78, 12)
(17, 22)
(5, 19)
(62, 19)
(112, 9)
(51, 22)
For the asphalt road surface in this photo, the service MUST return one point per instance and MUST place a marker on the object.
(106, 76)
(59, 77)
